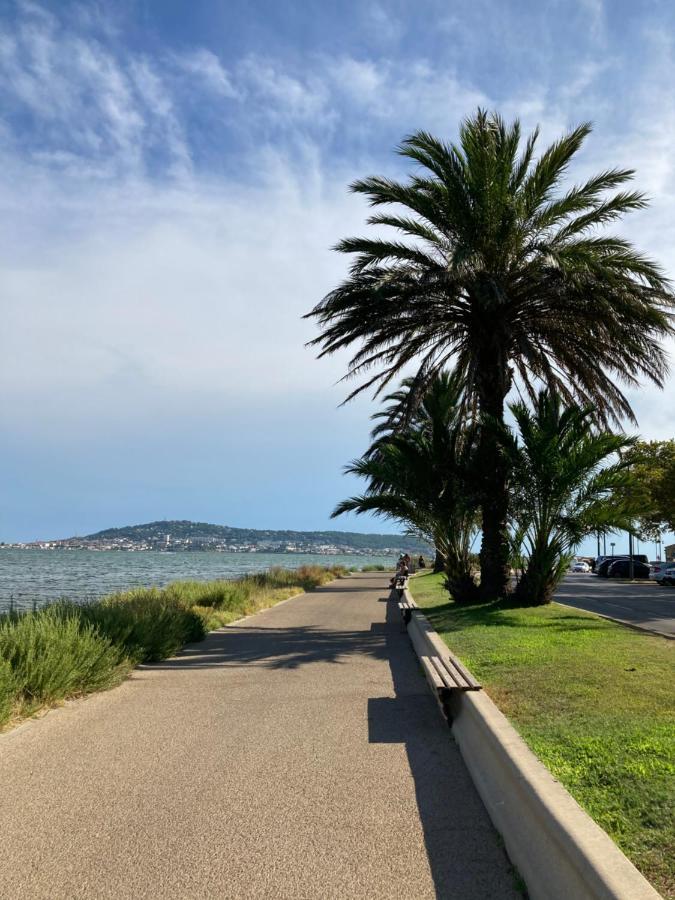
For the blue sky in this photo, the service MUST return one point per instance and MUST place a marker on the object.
(172, 177)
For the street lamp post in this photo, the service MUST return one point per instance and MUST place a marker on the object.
(612, 546)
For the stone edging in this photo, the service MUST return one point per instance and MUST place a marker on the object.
(558, 849)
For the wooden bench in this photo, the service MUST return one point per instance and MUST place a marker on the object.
(445, 676)
(399, 587)
(406, 607)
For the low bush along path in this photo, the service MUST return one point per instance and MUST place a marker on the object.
(296, 754)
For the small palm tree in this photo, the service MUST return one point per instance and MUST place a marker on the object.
(566, 488)
(417, 473)
(502, 272)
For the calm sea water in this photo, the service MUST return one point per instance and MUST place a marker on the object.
(38, 576)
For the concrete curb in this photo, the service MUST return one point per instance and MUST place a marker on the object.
(558, 849)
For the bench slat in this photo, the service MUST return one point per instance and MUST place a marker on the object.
(447, 675)
(471, 682)
(456, 673)
(431, 674)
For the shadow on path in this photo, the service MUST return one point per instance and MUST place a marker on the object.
(465, 855)
(275, 648)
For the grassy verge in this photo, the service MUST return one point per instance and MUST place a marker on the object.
(66, 649)
(594, 701)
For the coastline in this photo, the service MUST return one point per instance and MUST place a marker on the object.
(37, 576)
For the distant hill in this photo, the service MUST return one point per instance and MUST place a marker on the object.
(205, 533)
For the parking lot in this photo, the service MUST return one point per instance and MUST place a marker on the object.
(648, 605)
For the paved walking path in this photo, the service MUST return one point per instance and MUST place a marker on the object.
(296, 755)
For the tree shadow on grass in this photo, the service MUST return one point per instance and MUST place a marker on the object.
(453, 617)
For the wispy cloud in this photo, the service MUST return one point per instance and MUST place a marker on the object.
(136, 266)
(73, 97)
(207, 68)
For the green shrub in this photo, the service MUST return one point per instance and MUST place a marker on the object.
(217, 594)
(54, 654)
(7, 691)
(66, 649)
(149, 624)
(240, 595)
(374, 568)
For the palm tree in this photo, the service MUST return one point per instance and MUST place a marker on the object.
(566, 488)
(417, 472)
(501, 272)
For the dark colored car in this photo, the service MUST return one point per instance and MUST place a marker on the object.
(620, 568)
(603, 569)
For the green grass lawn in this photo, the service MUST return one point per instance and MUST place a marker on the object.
(594, 701)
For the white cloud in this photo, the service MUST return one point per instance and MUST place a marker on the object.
(381, 23)
(276, 93)
(136, 281)
(208, 68)
(594, 12)
(83, 100)
(157, 297)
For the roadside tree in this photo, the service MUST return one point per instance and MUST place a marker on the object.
(652, 467)
(500, 272)
(418, 472)
(569, 482)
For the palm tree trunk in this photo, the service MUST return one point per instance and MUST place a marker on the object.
(494, 551)
(439, 562)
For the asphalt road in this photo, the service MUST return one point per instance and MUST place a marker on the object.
(648, 606)
(298, 754)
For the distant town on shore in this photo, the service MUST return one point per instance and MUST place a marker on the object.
(185, 536)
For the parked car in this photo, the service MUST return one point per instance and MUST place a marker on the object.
(598, 562)
(663, 573)
(657, 570)
(620, 568)
(603, 568)
(580, 566)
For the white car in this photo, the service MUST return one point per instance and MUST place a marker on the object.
(580, 566)
(663, 573)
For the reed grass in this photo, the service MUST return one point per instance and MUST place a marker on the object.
(67, 649)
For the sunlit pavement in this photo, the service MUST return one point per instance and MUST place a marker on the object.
(648, 606)
(296, 754)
